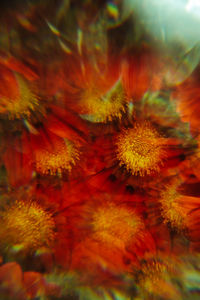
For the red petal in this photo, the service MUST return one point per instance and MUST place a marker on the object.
(18, 167)
(15, 65)
(34, 284)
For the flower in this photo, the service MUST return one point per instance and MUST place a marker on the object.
(113, 234)
(116, 225)
(18, 96)
(97, 107)
(155, 278)
(140, 149)
(50, 148)
(172, 208)
(96, 94)
(61, 158)
(26, 224)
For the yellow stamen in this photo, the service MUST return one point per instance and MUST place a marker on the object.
(172, 211)
(140, 149)
(26, 224)
(153, 270)
(97, 108)
(115, 224)
(62, 157)
(155, 279)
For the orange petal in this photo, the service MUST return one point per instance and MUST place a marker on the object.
(34, 284)
(17, 66)
(18, 167)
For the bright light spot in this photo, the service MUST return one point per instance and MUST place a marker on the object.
(193, 5)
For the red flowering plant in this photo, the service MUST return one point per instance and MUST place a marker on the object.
(99, 153)
(115, 233)
(56, 135)
(40, 224)
(146, 146)
(53, 151)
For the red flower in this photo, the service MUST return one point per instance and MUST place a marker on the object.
(53, 148)
(18, 96)
(114, 236)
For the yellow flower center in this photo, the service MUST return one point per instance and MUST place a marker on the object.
(172, 211)
(155, 279)
(97, 108)
(21, 106)
(140, 149)
(115, 224)
(27, 224)
(62, 157)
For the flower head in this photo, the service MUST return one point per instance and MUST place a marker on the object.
(18, 96)
(155, 280)
(98, 107)
(140, 149)
(21, 105)
(115, 224)
(62, 157)
(26, 224)
(172, 210)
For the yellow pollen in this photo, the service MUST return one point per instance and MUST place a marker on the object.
(22, 106)
(172, 211)
(115, 224)
(140, 149)
(97, 108)
(155, 280)
(153, 270)
(62, 157)
(26, 224)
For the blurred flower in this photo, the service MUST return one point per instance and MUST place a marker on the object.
(101, 108)
(51, 148)
(99, 155)
(140, 149)
(113, 224)
(113, 235)
(18, 94)
(155, 279)
(25, 224)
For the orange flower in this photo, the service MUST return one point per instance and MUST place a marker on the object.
(179, 210)
(155, 278)
(40, 224)
(25, 224)
(52, 148)
(140, 149)
(113, 235)
(95, 93)
(116, 225)
(18, 96)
